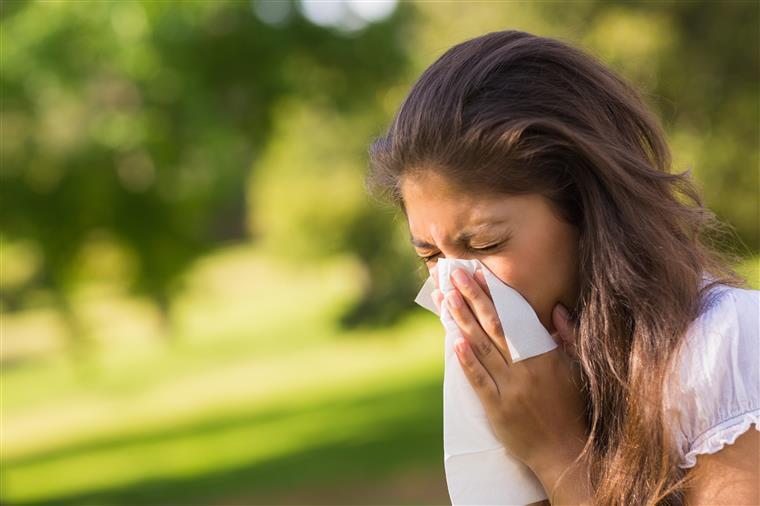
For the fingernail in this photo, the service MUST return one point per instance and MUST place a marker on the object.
(460, 277)
(459, 346)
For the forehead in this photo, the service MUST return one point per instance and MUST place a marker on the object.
(433, 205)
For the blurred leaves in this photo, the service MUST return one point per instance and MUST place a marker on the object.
(140, 120)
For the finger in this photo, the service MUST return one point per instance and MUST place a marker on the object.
(481, 381)
(483, 309)
(565, 329)
(437, 297)
(481, 279)
(483, 347)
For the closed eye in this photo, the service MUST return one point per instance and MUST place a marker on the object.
(488, 248)
(430, 258)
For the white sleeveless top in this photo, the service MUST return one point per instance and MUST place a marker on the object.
(716, 394)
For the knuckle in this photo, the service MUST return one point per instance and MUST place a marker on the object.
(485, 347)
(480, 379)
(493, 395)
(523, 398)
(493, 325)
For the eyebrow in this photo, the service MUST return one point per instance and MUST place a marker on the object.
(462, 237)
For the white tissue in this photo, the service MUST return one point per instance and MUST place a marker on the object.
(479, 470)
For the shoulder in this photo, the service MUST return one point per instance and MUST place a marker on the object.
(713, 394)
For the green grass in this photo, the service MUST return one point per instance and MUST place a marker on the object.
(246, 453)
(269, 399)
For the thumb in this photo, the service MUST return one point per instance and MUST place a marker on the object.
(565, 329)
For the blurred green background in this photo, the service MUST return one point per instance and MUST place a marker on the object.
(200, 305)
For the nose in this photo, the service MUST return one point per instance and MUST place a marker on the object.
(460, 253)
(433, 269)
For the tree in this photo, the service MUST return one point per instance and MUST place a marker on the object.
(139, 122)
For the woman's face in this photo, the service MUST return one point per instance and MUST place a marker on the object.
(519, 238)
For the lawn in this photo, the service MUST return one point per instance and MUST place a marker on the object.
(259, 400)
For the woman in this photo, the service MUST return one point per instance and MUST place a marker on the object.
(539, 161)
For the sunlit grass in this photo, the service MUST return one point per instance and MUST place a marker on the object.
(227, 441)
(272, 379)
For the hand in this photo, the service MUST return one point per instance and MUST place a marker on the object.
(535, 406)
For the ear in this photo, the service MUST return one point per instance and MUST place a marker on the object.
(565, 333)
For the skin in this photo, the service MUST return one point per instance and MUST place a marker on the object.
(730, 476)
(535, 406)
(538, 259)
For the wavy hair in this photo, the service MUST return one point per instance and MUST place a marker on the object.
(513, 113)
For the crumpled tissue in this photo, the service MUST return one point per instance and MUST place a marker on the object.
(479, 469)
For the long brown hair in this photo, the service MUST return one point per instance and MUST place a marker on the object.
(511, 112)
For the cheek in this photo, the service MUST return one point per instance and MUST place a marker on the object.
(554, 273)
(542, 271)
(519, 272)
